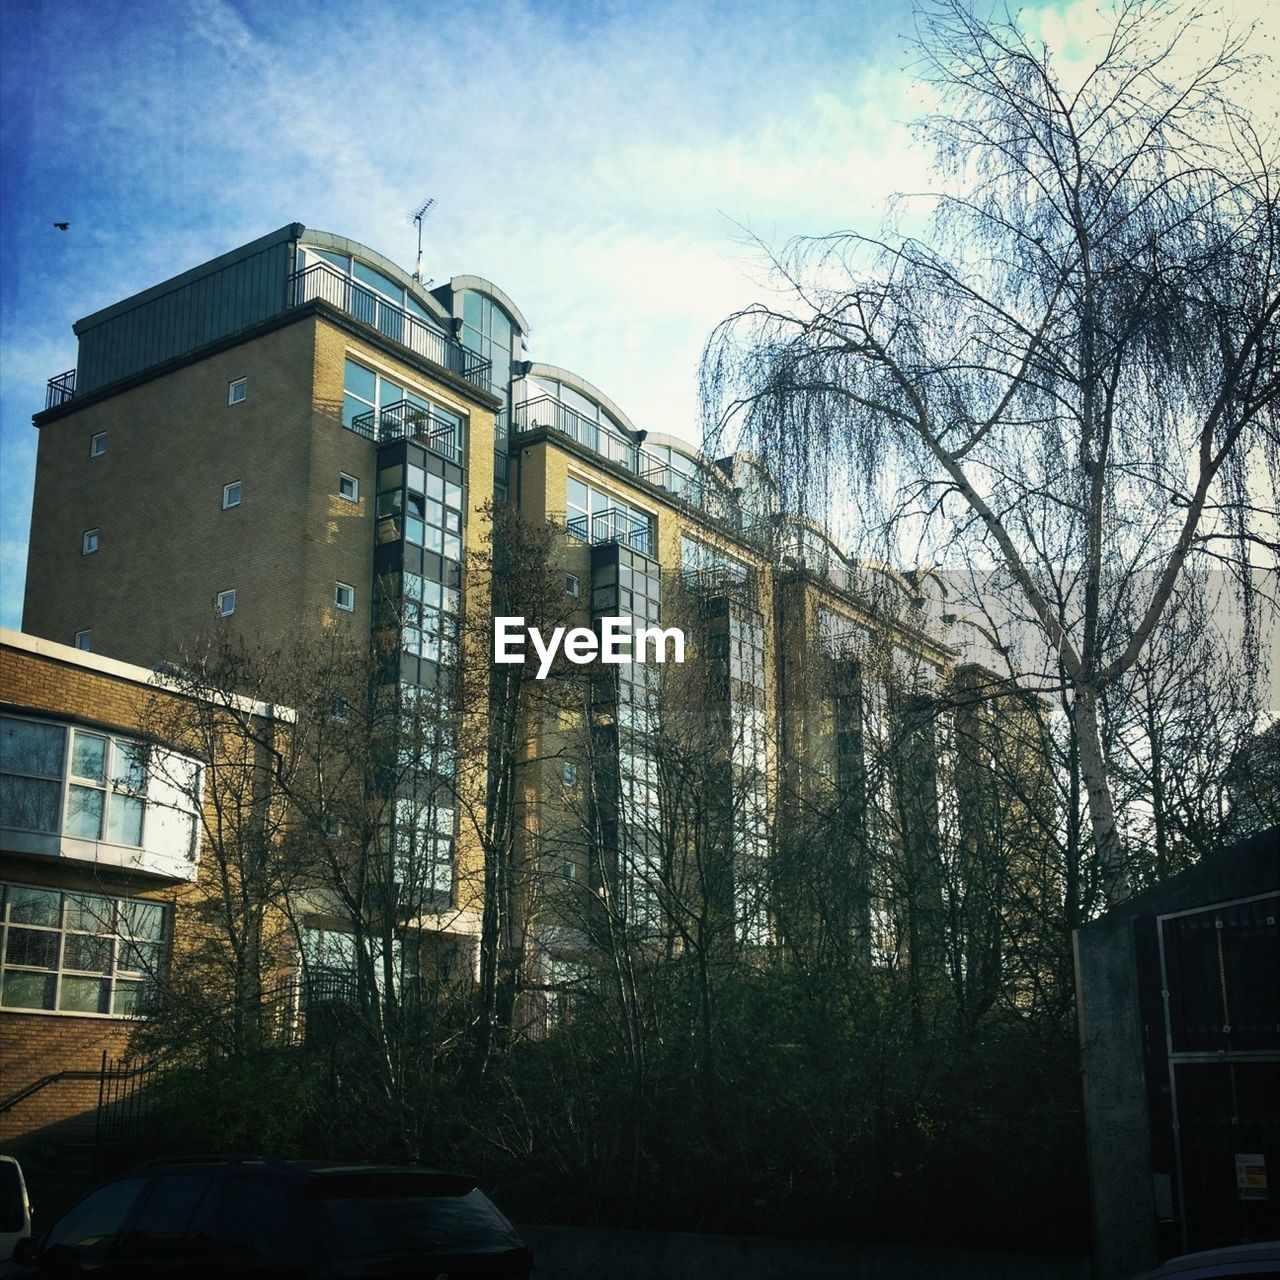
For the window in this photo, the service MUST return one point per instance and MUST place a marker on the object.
(97, 444)
(431, 507)
(238, 391)
(423, 848)
(348, 487)
(381, 409)
(487, 330)
(332, 826)
(570, 871)
(80, 952)
(60, 784)
(596, 516)
(571, 585)
(570, 773)
(231, 495)
(91, 1228)
(344, 597)
(84, 640)
(428, 618)
(89, 542)
(339, 711)
(226, 604)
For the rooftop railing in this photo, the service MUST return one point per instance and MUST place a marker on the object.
(612, 525)
(60, 389)
(320, 282)
(547, 411)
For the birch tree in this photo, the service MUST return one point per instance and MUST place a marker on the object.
(1072, 374)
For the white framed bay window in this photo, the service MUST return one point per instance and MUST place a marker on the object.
(94, 796)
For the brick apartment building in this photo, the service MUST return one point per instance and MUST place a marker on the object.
(298, 438)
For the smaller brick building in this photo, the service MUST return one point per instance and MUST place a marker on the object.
(100, 845)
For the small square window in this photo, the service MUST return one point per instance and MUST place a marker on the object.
(97, 444)
(226, 603)
(344, 596)
(238, 391)
(89, 542)
(84, 640)
(231, 495)
(571, 585)
(348, 487)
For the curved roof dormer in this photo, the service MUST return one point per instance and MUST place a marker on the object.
(587, 389)
(313, 238)
(478, 284)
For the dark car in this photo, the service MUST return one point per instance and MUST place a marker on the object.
(221, 1216)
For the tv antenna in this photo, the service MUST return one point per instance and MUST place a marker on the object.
(417, 217)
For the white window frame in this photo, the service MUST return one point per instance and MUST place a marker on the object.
(238, 486)
(354, 495)
(84, 639)
(572, 585)
(117, 974)
(338, 589)
(90, 541)
(97, 444)
(220, 601)
(237, 391)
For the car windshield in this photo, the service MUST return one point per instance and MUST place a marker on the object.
(407, 1213)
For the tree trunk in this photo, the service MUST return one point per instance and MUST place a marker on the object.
(1102, 817)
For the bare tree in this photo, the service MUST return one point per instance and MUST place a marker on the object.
(1075, 376)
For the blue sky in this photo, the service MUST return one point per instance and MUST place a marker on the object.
(597, 161)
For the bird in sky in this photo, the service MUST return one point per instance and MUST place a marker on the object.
(62, 226)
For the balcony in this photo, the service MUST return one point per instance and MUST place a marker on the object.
(612, 525)
(546, 412)
(60, 389)
(720, 580)
(406, 420)
(321, 283)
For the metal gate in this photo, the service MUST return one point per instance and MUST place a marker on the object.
(1220, 984)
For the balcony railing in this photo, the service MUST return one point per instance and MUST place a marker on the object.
(60, 389)
(320, 282)
(612, 525)
(547, 411)
(406, 420)
(715, 580)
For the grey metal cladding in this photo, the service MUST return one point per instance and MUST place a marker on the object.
(212, 301)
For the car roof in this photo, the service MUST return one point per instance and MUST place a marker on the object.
(298, 1168)
(1234, 1260)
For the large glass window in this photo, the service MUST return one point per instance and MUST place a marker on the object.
(429, 619)
(423, 849)
(85, 785)
(597, 516)
(487, 331)
(80, 952)
(397, 411)
(430, 505)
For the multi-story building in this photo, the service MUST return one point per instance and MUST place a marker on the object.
(298, 438)
(105, 868)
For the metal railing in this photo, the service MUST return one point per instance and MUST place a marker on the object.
(719, 580)
(408, 420)
(612, 525)
(60, 389)
(548, 412)
(320, 282)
